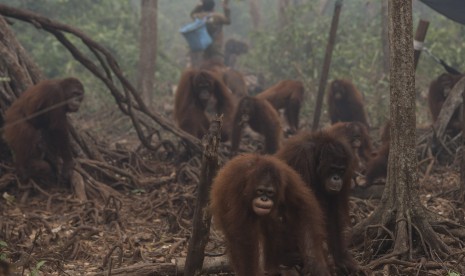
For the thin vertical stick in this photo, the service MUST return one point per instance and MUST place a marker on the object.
(420, 35)
(202, 217)
(326, 64)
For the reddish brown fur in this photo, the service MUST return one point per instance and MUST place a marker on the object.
(438, 92)
(5, 153)
(233, 79)
(287, 95)
(262, 118)
(189, 110)
(294, 225)
(357, 137)
(232, 49)
(37, 134)
(316, 156)
(377, 167)
(345, 103)
(190, 107)
(385, 134)
(5, 268)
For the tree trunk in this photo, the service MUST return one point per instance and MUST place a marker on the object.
(385, 35)
(283, 6)
(17, 70)
(450, 105)
(202, 217)
(402, 172)
(211, 266)
(255, 13)
(148, 49)
(462, 152)
(420, 35)
(326, 64)
(400, 211)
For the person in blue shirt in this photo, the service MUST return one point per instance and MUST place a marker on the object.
(215, 23)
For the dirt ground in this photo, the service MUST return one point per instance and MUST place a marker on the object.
(47, 231)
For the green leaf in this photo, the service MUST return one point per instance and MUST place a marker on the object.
(138, 191)
(40, 264)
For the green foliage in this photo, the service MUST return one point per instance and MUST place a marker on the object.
(3, 247)
(452, 273)
(4, 257)
(35, 271)
(10, 200)
(295, 50)
(138, 191)
(95, 18)
(110, 23)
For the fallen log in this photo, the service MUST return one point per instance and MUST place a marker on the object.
(211, 265)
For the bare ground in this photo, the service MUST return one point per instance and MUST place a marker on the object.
(50, 232)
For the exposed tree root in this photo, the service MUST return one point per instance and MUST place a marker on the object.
(422, 264)
(415, 234)
(101, 172)
(211, 265)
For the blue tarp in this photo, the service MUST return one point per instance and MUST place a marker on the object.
(452, 9)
